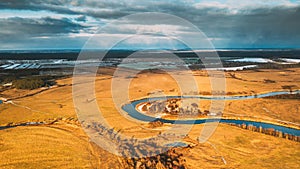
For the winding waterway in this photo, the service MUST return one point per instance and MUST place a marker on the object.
(130, 108)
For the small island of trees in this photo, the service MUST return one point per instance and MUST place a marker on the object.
(175, 107)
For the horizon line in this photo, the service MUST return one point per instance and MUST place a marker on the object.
(137, 49)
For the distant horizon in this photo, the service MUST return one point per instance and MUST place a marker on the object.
(140, 49)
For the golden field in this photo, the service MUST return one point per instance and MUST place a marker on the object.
(65, 145)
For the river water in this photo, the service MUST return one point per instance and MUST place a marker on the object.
(132, 111)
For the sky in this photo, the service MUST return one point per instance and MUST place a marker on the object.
(68, 24)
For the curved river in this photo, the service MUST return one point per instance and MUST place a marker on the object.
(131, 110)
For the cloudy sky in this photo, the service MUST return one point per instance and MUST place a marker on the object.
(68, 24)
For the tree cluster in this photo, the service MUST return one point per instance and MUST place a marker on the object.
(29, 83)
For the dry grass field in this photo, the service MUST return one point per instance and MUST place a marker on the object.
(55, 146)
(65, 145)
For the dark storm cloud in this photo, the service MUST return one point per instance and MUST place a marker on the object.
(277, 26)
(258, 27)
(88, 8)
(36, 5)
(18, 28)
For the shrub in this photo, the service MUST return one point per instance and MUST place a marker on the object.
(30, 83)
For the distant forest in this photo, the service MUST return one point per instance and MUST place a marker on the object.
(73, 54)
